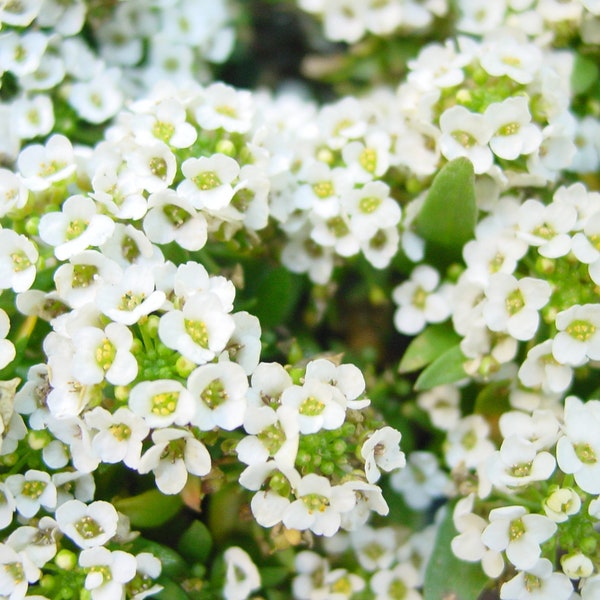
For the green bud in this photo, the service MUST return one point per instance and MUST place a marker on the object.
(32, 226)
(122, 393)
(327, 468)
(38, 439)
(66, 560)
(588, 545)
(184, 367)
(226, 147)
(47, 582)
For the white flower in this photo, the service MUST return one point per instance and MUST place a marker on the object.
(38, 543)
(514, 133)
(131, 298)
(546, 227)
(107, 572)
(578, 450)
(540, 368)
(20, 53)
(20, 14)
(421, 480)
(465, 133)
(41, 166)
(33, 116)
(172, 218)
(518, 463)
(368, 499)
(561, 503)
(200, 330)
(88, 525)
(467, 545)
(468, 442)
(512, 305)
(518, 533)
(375, 548)
(381, 450)
(347, 378)
(32, 491)
(118, 435)
(99, 98)
(16, 573)
(316, 404)
(537, 583)
(18, 258)
(148, 568)
(578, 337)
(219, 394)
(318, 506)
(208, 181)
(7, 506)
(224, 107)
(506, 56)
(442, 404)
(576, 565)
(104, 354)
(403, 576)
(7, 351)
(241, 575)
(75, 228)
(162, 402)
(420, 301)
(175, 453)
(13, 193)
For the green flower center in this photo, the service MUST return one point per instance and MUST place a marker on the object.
(509, 129)
(129, 249)
(120, 431)
(176, 215)
(76, 228)
(465, 139)
(15, 571)
(20, 261)
(272, 438)
(368, 160)
(83, 275)
(585, 453)
(369, 205)
(311, 407)
(397, 589)
(338, 227)
(315, 502)
(323, 189)
(164, 404)
(207, 180)
(544, 231)
(105, 354)
(419, 298)
(158, 167)
(197, 331)
(88, 528)
(514, 302)
(516, 529)
(130, 301)
(33, 489)
(163, 131)
(520, 470)
(227, 111)
(103, 570)
(50, 168)
(214, 394)
(581, 330)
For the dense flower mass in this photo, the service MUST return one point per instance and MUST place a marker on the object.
(299, 295)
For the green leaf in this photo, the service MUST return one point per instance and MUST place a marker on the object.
(584, 74)
(195, 543)
(172, 563)
(447, 576)
(276, 296)
(427, 346)
(448, 216)
(149, 509)
(447, 368)
(170, 591)
(272, 577)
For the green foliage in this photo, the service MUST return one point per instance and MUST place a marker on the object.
(195, 543)
(584, 75)
(149, 509)
(448, 216)
(446, 368)
(427, 346)
(447, 576)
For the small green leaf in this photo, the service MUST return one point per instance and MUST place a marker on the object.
(271, 577)
(447, 368)
(492, 401)
(277, 294)
(149, 509)
(427, 346)
(448, 216)
(447, 576)
(195, 543)
(170, 591)
(584, 74)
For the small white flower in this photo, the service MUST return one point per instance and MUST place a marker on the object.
(76, 227)
(465, 133)
(7, 352)
(13, 193)
(403, 576)
(18, 258)
(241, 575)
(118, 436)
(536, 583)
(208, 181)
(200, 330)
(381, 450)
(420, 301)
(578, 337)
(17, 572)
(224, 107)
(162, 402)
(512, 305)
(32, 491)
(42, 166)
(88, 525)
(99, 98)
(104, 354)
(219, 394)
(506, 56)
(468, 442)
(175, 453)
(318, 506)
(561, 503)
(541, 369)
(518, 533)
(107, 572)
